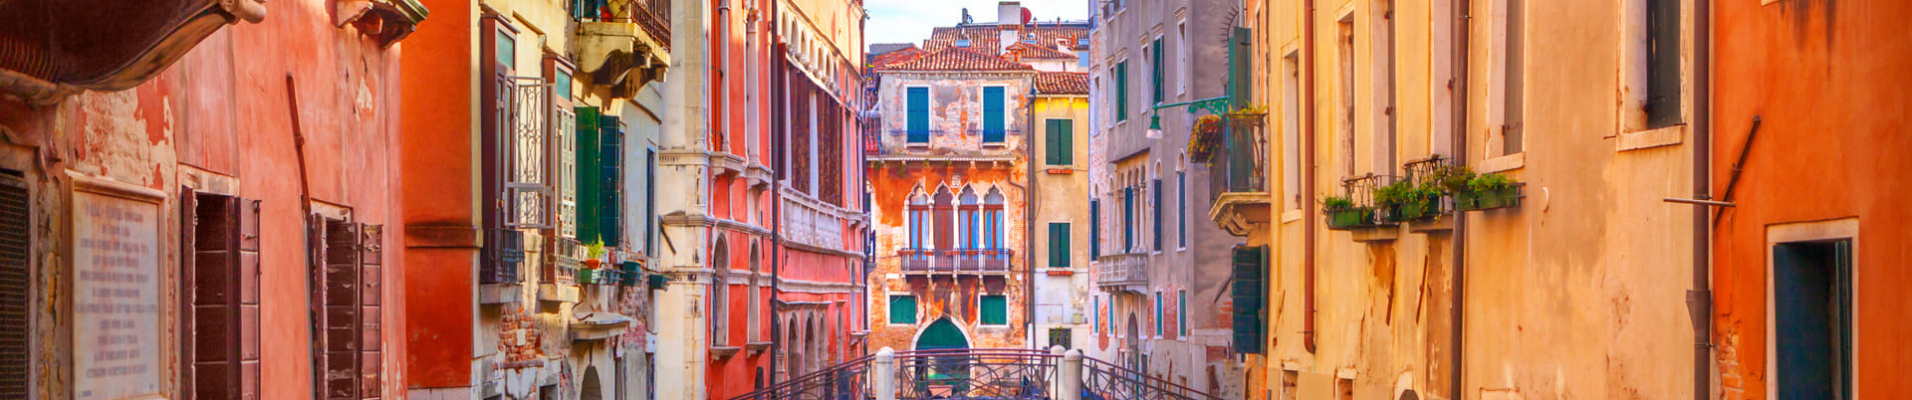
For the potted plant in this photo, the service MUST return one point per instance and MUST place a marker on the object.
(591, 274)
(1489, 191)
(1344, 215)
(1406, 201)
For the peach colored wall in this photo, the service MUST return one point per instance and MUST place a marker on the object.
(1827, 79)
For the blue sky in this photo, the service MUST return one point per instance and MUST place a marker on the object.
(901, 21)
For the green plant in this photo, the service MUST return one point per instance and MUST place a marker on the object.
(1450, 178)
(1332, 203)
(1489, 183)
(594, 250)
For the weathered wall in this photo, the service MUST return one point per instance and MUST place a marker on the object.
(1826, 81)
(1061, 193)
(224, 109)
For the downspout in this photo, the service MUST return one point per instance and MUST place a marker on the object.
(1457, 324)
(1699, 299)
(776, 188)
(1308, 183)
(1029, 226)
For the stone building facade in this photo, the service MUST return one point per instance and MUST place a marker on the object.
(202, 200)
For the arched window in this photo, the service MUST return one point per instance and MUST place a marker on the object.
(756, 310)
(944, 212)
(992, 220)
(720, 294)
(919, 220)
(970, 212)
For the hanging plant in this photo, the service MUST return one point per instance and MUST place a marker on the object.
(1205, 138)
(1343, 214)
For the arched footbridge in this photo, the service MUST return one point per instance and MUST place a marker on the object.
(976, 374)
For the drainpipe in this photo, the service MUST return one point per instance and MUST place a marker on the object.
(1029, 226)
(1457, 325)
(1699, 299)
(1308, 183)
(776, 188)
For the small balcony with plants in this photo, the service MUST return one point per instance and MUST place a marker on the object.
(1359, 208)
(1235, 148)
(623, 44)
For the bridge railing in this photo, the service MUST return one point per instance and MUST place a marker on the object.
(975, 374)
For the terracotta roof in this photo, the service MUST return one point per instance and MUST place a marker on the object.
(883, 61)
(986, 38)
(1062, 83)
(1034, 52)
(957, 59)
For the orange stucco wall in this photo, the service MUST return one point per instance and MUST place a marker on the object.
(440, 194)
(1828, 81)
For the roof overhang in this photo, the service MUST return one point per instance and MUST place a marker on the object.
(57, 47)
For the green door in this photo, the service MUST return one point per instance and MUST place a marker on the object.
(941, 334)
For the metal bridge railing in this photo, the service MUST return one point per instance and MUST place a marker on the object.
(976, 374)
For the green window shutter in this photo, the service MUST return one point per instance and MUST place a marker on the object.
(590, 125)
(1155, 78)
(610, 181)
(993, 120)
(995, 309)
(903, 310)
(1156, 185)
(1181, 311)
(1095, 228)
(1122, 91)
(918, 99)
(1058, 245)
(1250, 262)
(1058, 142)
(1158, 314)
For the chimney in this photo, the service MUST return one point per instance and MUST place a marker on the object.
(1008, 22)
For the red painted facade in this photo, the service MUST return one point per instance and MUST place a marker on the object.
(219, 121)
(1810, 117)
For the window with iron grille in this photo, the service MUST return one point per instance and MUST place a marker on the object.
(219, 284)
(1060, 337)
(16, 212)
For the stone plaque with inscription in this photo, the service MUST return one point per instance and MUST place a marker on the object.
(116, 281)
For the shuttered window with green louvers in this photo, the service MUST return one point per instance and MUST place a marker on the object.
(600, 166)
(1059, 148)
(1059, 245)
(1247, 293)
(995, 309)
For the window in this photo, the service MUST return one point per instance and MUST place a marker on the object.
(919, 221)
(1662, 61)
(1181, 213)
(1155, 187)
(650, 200)
(1345, 88)
(221, 284)
(1095, 314)
(1095, 228)
(561, 84)
(902, 310)
(993, 114)
(16, 210)
(1155, 71)
(345, 264)
(756, 311)
(1059, 337)
(994, 309)
(598, 162)
(1291, 130)
(943, 210)
(720, 294)
(1382, 83)
(970, 212)
(1060, 143)
(1158, 314)
(1514, 102)
(1812, 319)
(992, 220)
(1181, 311)
(1128, 216)
(1121, 90)
(1246, 293)
(1181, 57)
(1058, 245)
(918, 109)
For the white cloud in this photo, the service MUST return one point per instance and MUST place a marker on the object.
(909, 21)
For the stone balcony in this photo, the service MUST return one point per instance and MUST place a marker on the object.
(956, 262)
(1123, 272)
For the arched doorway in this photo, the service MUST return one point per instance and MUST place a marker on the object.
(942, 334)
(590, 389)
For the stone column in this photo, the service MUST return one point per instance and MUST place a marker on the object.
(883, 375)
(1070, 376)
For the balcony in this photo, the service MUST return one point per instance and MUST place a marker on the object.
(813, 225)
(1237, 167)
(1123, 272)
(624, 44)
(956, 262)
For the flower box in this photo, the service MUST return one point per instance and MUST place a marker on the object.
(1489, 199)
(1411, 211)
(1350, 218)
(592, 277)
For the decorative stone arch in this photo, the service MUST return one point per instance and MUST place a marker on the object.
(720, 291)
(937, 325)
(589, 387)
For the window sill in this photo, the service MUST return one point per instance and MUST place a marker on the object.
(1060, 170)
(995, 145)
(1504, 163)
(1059, 272)
(1651, 138)
(723, 352)
(1291, 216)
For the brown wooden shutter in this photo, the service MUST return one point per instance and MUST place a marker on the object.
(249, 381)
(220, 283)
(341, 283)
(315, 281)
(15, 212)
(371, 259)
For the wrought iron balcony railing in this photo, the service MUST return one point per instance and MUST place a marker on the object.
(654, 16)
(956, 261)
(1239, 160)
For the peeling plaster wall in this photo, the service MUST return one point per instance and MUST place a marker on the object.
(1062, 293)
(223, 109)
